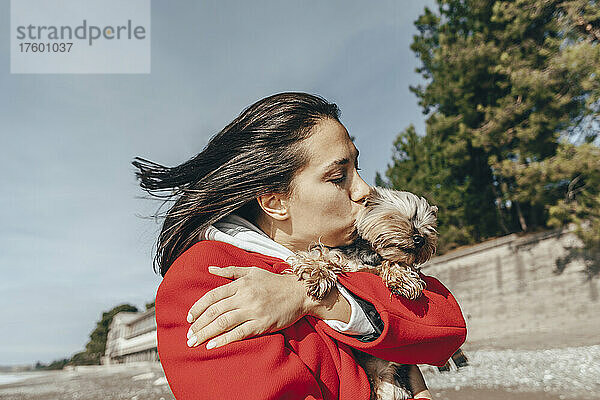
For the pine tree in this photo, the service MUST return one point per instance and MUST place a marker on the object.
(507, 81)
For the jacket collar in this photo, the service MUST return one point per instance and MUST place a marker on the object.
(241, 233)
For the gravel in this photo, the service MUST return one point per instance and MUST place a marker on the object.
(566, 373)
(142, 381)
(572, 372)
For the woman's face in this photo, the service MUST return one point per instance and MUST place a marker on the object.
(327, 193)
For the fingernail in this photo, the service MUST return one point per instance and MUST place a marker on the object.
(211, 344)
(192, 341)
(190, 318)
(190, 333)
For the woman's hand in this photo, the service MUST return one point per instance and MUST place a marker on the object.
(256, 302)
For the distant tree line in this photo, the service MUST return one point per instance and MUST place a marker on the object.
(512, 103)
(96, 346)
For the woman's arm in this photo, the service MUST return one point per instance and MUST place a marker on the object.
(256, 302)
(427, 330)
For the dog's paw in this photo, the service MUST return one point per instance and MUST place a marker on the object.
(319, 279)
(320, 282)
(402, 281)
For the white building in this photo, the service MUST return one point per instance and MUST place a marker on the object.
(131, 337)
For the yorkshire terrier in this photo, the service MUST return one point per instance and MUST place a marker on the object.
(397, 232)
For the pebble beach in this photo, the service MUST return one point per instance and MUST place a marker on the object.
(552, 374)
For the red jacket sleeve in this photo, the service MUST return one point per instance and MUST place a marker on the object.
(258, 368)
(423, 331)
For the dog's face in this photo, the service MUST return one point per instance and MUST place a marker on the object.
(400, 226)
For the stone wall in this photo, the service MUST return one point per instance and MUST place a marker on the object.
(512, 296)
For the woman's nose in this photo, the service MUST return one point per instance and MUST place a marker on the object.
(360, 190)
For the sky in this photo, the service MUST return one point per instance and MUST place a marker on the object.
(73, 239)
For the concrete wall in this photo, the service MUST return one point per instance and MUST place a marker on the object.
(512, 297)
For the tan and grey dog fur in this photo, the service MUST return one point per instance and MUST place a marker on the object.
(397, 232)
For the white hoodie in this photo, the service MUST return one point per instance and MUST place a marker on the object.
(241, 233)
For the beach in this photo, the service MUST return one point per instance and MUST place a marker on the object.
(559, 373)
(137, 381)
(494, 374)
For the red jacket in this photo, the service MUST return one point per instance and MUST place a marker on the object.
(308, 360)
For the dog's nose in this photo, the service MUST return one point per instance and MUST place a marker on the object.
(419, 241)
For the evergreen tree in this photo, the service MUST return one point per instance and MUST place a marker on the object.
(506, 82)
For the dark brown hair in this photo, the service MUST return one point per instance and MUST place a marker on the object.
(256, 154)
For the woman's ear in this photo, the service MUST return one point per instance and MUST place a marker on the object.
(274, 205)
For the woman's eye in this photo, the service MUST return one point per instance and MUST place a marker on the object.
(339, 180)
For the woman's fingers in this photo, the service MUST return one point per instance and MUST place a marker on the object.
(211, 297)
(224, 323)
(231, 272)
(257, 301)
(213, 313)
(243, 331)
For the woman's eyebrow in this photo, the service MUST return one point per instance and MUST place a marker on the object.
(342, 161)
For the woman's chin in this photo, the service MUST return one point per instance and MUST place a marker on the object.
(344, 238)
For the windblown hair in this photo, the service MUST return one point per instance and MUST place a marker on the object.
(259, 152)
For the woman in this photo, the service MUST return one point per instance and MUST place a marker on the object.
(282, 175)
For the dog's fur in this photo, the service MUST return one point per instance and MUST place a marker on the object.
(397, 231)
